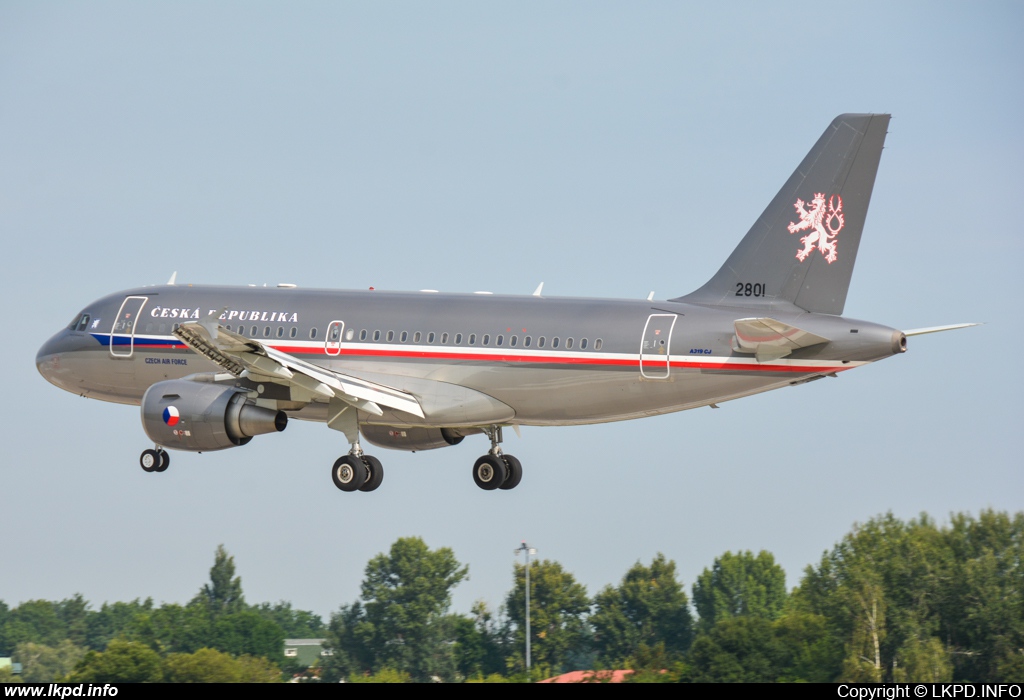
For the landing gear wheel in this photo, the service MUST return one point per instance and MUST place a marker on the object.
(375, 475)
(165, 461)
(513, 472)
(149, 460)
(349, 473)
(489, 472)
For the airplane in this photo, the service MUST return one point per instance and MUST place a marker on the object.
(211, 367)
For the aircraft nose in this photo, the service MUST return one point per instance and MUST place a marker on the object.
(51, 355)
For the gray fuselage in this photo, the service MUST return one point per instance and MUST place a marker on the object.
(526, 360)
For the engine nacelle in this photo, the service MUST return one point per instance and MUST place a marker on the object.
(187, 415)
(413, 439)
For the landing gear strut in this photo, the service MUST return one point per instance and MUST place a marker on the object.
(155, 460)
(496, 470)
(357, 471)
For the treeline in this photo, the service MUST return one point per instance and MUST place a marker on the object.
(893, 601)
(216, 637)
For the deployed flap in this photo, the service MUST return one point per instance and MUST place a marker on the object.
(247, 357)
(770, 339)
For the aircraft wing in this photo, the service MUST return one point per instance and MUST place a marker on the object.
(249, 358)
(770, 339)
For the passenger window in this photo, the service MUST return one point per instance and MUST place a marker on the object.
(500, 340)
(293, 332)
(472, 338)
(554, 342)
(391, 336)
(487, 339)
(598, 344)
(376, 336)
(405, 336)
(255, 330)
(513, 340)
(527, 341)
(444, 339)
(280, 331)
(266, 331)
(362, 334)
(458, 338)
(540, 342)
(416, 337)
(312, 333)
(583, 344)
(430, 337)
(568, 343)
(349, 334)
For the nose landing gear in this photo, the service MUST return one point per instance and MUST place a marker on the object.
(156, 460)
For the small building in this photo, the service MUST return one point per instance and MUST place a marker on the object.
(306, 651)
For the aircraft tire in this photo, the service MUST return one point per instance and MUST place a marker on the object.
(375, 473)
(349, 473)
(165, 461)
(149, 460)
(513, 472)
(489, 472)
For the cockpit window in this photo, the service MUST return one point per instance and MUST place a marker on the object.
(80, 323)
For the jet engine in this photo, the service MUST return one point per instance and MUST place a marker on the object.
(413, 439)
(187, 415)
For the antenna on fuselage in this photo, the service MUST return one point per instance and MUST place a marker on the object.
(174, 276)
(538, 290)
(650, 297)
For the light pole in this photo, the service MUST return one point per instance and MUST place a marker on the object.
(527, 550)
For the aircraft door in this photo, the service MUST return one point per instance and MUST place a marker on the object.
(332, 343)
(122, 334)
(656, 346)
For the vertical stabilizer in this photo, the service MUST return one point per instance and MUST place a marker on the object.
(803, 246)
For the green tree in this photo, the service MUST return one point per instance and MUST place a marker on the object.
(479, 643)
(750, 649)
(114, 620)
(881, 589)
(36, 621)
(122, 662)
(402, 622)
(296, 624)
(648, 608)
(212, 666)
(7, 675)
(247, 632)
(45, 664)
(558, 609)
(203, 666)
(223, 594)
(740, 585)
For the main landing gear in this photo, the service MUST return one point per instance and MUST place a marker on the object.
(496, 470)
(156, 460)
(361, 472)
(357, 472)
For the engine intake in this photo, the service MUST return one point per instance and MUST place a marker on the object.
(187, 415)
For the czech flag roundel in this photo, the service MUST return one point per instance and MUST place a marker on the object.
(171, 416)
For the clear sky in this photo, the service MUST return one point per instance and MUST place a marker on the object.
(606, 149)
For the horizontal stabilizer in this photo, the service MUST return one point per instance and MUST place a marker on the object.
(769, 339)
(938, 329)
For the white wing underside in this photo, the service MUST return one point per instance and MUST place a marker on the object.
(249, 358)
